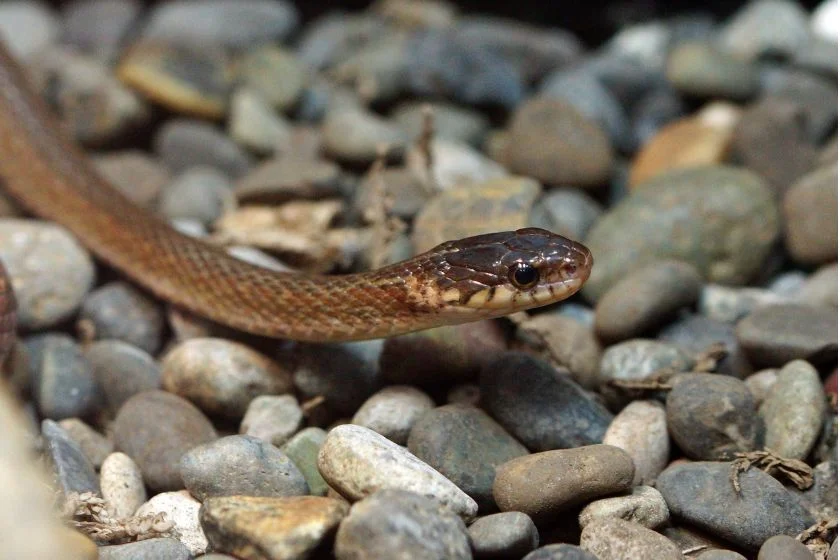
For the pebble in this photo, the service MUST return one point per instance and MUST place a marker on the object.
(768, 27)
(810, 92)
(303, 450)
(653, 112)
(140, 177)
(760, 384)
(275, 74)
(635, 360)
(394, 523)
(647, 298)
(821, 498)
(774, 335)
(510, 534)
(644, 506)
(820, 289)
(701, 69)
(182, 510)
(784, 547)
(330, 36)
(567, 211)
(375, 70)
(771, 140)
(712, 417)
(540, 408)
(272, 418)
(533, 484)
(793, 411)
(274, 528)
(641, 430)
(502, 204)
(719, 554)
(231, 23)
(696, 334)
(451, 122)
(240, 466)
(393, 411)
(466, 393)
(810, 224)
(453, 164)
(355, 135)
(95, 446)
(615, 539)
(149, 549)
(119, 311)
(729, 304)
(550, 140)
(287, 178)
(825, 19)
(570, 344)
(692, 141)
(723, 220)
(357, 461)
(63, 382)
(701, 495)
(184, 143)
(254, 123)
(98, 27)
(202, 194)
(155, 429)
(49, 270)
(122, 485)
(122, 371)
(220, 376)
(28, 27)
(443, 355)
(72, 471)
(560, 552)
(465, 445)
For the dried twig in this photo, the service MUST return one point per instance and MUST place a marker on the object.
(818, 537)
(707, 360)
(794, 470)
(385, 228)
(87, 514)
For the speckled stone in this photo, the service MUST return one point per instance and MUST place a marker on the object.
(393, 411)
(155, 429)
(220, 376)
(614, 539)
(94, 445)
(270, 527)
(183, 511)
(240, 466)
(774, 335)
(122, 485)
(465, 445)
(545, 484)
(560, 552)
(122, 370)
(637, 359)
(810, 222)
(821, 498)
(357, 461)
(510, 534)
(72, 471)
(723, 220)
(641, 430)
(119, 311)
(645, 506)
(701, 494)
(542, 409)
(303, 450)
(185, 143)
(712, 417)
(49, 270)
(63, 382)
(400, 524)
(645, 299)
(793, 410)
(150, 549)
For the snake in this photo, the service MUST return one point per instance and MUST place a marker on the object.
(480, 277)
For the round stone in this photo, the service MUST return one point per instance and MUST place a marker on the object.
(286, 178)
(122, 485)
(303, 450)
(272, 418)
(613, 539)
(355, 135)
(638, 359)
(645, 506)
(560, 552)
(182, 144)
(546, 484)
(122, 371)
(810, 223)
(771, 27)
(393, 411)
(452, 122)
(98, 27)
(696, 334)
(255, 124)
(202, 194)
(275, 74)
(702, 70)
(64, 385)
(784, 547)
(641, 430)
(119, 311)
(510, 534)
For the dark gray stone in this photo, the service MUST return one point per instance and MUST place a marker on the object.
(72, 470)
(120, 311)
(151, 549)
(122, 371)
(63, 380)
(503, 535)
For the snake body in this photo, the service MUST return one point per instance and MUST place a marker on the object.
(456, 282)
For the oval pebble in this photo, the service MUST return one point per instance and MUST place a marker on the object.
(696, 334)
(155, 429)
(355, 135)
(510, 534)
(202, 194)
(63, 382)
(719, 554)
(645, 506)
(809, 217)
(169, 548)
(540, 408)
(122, 371)
(400, 524)
(120, 311)
(122, 485)
(50, 271)
(545, 484)
(700, 69)
(793, 411)
(303, 450)
(221, 376)
(272, 418)
(181, 510)
(645, 299)
(240, 466)
(641, 430)
(784, 547)
(95, 446)
(616, 539)
(393, 411)
(712, 417)
(185, 143)
(465, 445)
(637, 359)
(357, 461)
(701, 494)
(254, 123)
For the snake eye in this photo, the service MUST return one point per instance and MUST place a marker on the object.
(524, 276)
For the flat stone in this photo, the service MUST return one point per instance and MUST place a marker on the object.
(63, 382)
(240, 466)
(546, 484)
(182, 510)
(303, 450)
(712, 417)
(150, 549)
(510, 534)
(272, 418)
(613, 539)
(395, 523)
(122, 371)
(393, 411)
(542, 409)
(94, 445)
(357, 461)
(701, 494)
(72, 471)
(645, 506)
(273, 528)
(119, 311)
(719, 554)
(641, 430)
(122, 485)
(810, 226)
(465, 445)
(793, 411)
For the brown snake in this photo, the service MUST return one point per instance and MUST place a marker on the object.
(459, 281)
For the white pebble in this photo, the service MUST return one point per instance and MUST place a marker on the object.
(393, 411)
(273, 419)
(182, 510)
(122, 485)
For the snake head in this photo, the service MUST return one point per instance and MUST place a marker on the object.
(499, 273)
